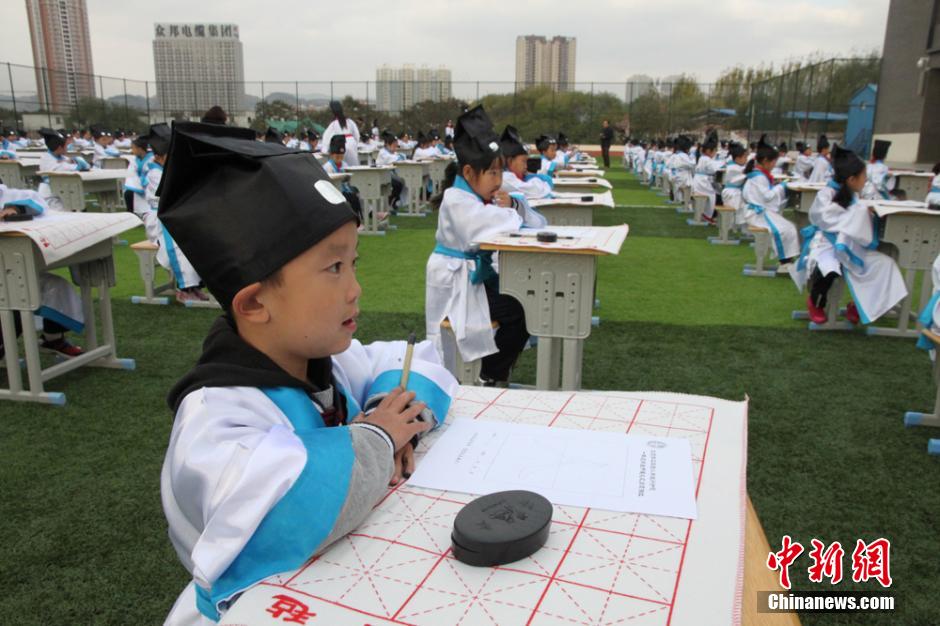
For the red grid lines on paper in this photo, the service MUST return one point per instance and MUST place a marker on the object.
(598, 567)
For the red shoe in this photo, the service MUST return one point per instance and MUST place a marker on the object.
(62, 347)
(710, 220)
(851, 313)
(817, 315)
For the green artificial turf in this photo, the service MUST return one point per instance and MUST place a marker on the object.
(83, 538)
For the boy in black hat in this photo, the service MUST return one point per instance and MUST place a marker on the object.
(337, 165)
(516, 177)
(54, 159)
(462, 285)
(271, 457)
(547, 146)
(103, 149)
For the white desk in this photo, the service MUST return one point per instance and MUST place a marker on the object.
(915, 184)
(598, 567)
(582, 185)
(367, 157)
(71, 187)
(17, 173)
(801, 197)
(555, 285)
(81, 242)
(374, 184)
(575, 210)
(413, 173)
(438, 169)
(915, 233)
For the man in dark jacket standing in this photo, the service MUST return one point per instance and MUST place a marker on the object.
(607, 136)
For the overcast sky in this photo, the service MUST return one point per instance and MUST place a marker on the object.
(317, 40)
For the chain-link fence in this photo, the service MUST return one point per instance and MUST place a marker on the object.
(31, 97)
(835, 97)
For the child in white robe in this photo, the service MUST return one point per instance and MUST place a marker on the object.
(703, 183)
(765, 199)
(880, 181)
(169, 254)
(733, 182)
(287, 432)
(54, 159)
(547, 146)
(804, 161)
(342, 125)
(822, 168)
(844, 241)
(463, 282)
(516, 177)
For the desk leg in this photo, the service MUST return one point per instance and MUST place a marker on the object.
(546, 368)
(904, 316)
(88, 310)
(11, 346)
(110, 358)
(571, 364)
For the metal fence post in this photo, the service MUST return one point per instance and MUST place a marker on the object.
(809, 95)
(125, 101)
(16, 121)
(297, 101)
(264, 110)
(147, 95)
(832, 71)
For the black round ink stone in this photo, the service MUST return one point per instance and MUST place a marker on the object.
(501, 528)
(546, 236)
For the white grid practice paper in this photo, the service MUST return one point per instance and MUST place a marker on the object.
(597, 567)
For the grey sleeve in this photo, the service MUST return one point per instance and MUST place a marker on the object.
(371, 471)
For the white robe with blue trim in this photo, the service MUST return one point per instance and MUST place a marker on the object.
(845, 244)
(169, 254)
(234, 455)
(703, 183)
(733, 186)
(764, 202)
(822, 170)
(463, 220)
(533, 187)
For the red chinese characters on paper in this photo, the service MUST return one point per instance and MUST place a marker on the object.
(872, 560)
(290, 610)
(827, 562)
(784, 558)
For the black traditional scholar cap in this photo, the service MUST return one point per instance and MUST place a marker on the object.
(880, 149)
(822, 143)
(159, 138)
(241, 209)
(511, 143)
(53, 139)
(273, 136)
(338, 144)
(475, 141)
(542, 142)
(845, 163)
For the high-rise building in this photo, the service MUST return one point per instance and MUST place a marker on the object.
(542, 61)
(198, 66)
(400, 88)
(61, 52)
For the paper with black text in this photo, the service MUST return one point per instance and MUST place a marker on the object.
(601, 470)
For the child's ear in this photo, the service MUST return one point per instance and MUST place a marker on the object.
(467, 172)
(248, 304)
